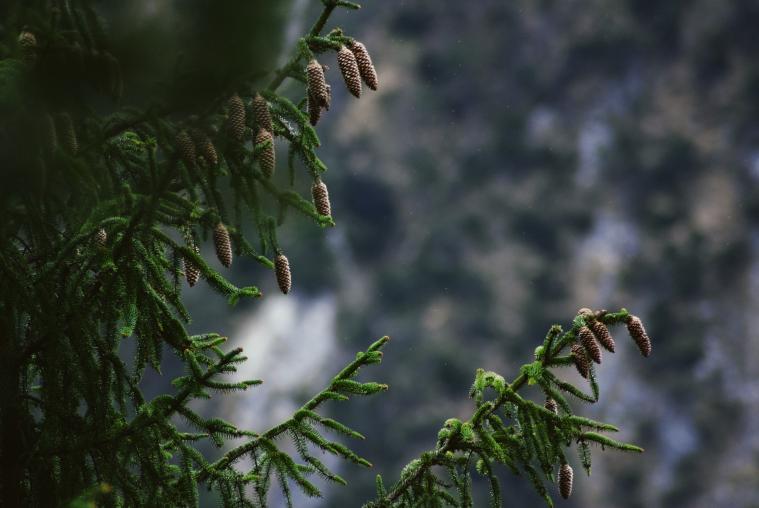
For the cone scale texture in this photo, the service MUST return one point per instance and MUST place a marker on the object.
(101, 237)
(261, 113)
(284, 276)
(186, 148)
(223, 244)
(365, 66)
(565, 480)
(267, 158)
(552, 406)
(601, 332)
(639, 335)
(205, 148)
(236, 117)
(589, 343)
(346, 60)
(317, 84)
(191, 271)
(580, 360)
(321, 198)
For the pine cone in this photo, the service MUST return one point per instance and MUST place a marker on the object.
(365, 66)
(639, 335)
(27, 40)
(186, 148)
(314, 110)
(284, 277)
(321, 198)
(236, 117)
(191, 271)
(101, 237)
(267, 158)
(261, 113)
(223, 244)
(68, 134)
(585, 312)
(565, 480)
(346, 60)
(602, 335)
(589, 342)
(551, 406)
(205, 147)
(581, 360)
(317, 84)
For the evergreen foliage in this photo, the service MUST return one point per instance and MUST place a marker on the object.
(105, 208)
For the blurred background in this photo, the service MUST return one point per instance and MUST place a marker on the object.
(521, 160)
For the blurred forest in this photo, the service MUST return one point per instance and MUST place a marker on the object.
(521, 160)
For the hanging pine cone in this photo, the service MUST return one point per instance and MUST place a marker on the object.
(261, 112)
(284, 277)
(581, 360)
(321, 198)
(236, 117)
(191, 271)
(267, 158)
(223, 244)
(27, 40)
(602, 334)
(585, 312)
(589, 342)
(565, 480)
(346, 60)
(552, 406)
(314, 110)
(68, 134)
(186, 148)
(101, 237)
(205, 148)
(639, 335)
(317, 84)
(365, 65)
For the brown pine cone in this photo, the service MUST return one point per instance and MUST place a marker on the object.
(314, 110)
(261, 112)
(585, 312)
(565, 480)
(68, 134)
(191, 271)
(552, 406)
(581, 360)
(589, 342)
(601, 331)
(101, 237)
(317, 84)
(365, 66)
(205, 147)
(186, 148)
(284, 277)
(346, 60)
(321, 198)
(267, 158)
(639, 335)
(27, 40)
(223, 244)
(236, 117)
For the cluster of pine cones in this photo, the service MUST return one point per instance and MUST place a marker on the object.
(595, 332)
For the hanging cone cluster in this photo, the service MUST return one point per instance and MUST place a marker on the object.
(191, 271)
(365, 65)
(321, 198)
(639, 335)
(101, 237)
(601, 332)
(346, 60)
(284, 277)
(267, 158)
(580, 360)
(185, 148)
(589, 343)
(261, 113)
(565, 480)
(223, 244)
(68, 134)
(204, 148)
(236, 117)
(552, 406)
